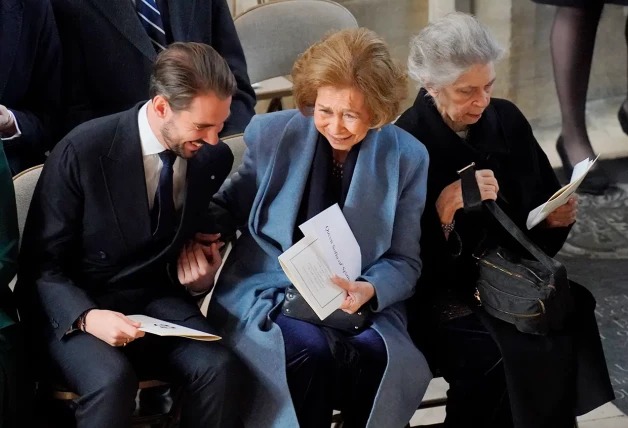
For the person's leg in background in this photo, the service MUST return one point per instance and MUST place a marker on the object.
(623, 110)
(572, 43)
(471, 363)
(311, 370)
(360, 384)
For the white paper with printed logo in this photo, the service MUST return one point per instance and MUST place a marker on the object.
(164, 328)
(329, 248)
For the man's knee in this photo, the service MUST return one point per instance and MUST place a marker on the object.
(116, 383)
(218, 364)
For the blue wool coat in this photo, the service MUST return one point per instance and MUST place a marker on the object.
(383, 208)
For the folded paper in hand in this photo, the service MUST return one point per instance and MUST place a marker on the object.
(328, 248)
(163, 328)
(561, 197)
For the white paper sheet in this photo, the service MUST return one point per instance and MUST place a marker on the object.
(561, 197)
(328, 248)
(338, 244)
(164, 328)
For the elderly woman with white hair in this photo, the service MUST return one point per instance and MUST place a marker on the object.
(498, 376)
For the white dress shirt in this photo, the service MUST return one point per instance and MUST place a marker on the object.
(151, 147)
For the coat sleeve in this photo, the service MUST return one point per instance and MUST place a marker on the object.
(394, 275)
(52, 240)
(226, 42)
(232, 205)
(550, 240)
(36, 114)
(9, 235)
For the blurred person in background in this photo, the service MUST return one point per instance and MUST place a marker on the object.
(572, 41)
(30, 81)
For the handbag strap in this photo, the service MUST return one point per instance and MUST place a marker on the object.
(471, 190)
(471, 196)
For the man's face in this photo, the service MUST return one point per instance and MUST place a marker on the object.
(185, 131)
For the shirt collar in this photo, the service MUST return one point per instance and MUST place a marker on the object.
(148, 139)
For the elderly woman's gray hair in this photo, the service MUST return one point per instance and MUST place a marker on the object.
(448, 47)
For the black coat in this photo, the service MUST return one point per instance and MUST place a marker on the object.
(88, 242)
(108, 56)
(502, 140)
(30, 78)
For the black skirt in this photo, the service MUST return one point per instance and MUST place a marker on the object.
(581, 3)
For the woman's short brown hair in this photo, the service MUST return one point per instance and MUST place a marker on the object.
(356, 58)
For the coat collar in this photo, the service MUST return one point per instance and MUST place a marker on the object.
(123, 17)
(375, 178)
(11, 16)
(483, 135)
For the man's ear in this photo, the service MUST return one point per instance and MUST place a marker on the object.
(161, 106)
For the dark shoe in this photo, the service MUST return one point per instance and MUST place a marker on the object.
(595, 183)
(155, 401)
(622, 115)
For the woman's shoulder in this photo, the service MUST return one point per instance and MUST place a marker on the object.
(408, 144)
(508, 112)
(275, 120)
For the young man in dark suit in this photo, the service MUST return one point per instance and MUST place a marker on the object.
(30, 81)
(110, 45)
(114, 229)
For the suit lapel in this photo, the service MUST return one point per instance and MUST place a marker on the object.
(124, 18)
(11, 15)
(123, 169)
(179, 15)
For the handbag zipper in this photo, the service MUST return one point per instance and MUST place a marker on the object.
(537, 314)
(507, 272)
(523, 266)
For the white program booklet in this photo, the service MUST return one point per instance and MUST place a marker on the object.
(328, 248)
(164, 328)
(561, 196)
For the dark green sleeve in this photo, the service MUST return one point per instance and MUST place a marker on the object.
(9, 234)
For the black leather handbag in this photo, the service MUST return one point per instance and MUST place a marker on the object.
(295, 306)
(533, 295)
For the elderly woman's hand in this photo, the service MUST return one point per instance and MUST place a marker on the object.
(358, 293)
(564, 215)
(450, 199)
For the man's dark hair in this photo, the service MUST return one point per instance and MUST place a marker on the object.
(186, 70)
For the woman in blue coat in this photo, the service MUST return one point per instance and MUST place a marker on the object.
(339, 147)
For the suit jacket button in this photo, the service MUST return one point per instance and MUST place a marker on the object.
(213, 176)
(103, 255)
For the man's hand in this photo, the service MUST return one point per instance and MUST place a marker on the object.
(7, 124)
(564, 215)
(199, 261)
(112, 327)
(358, 293)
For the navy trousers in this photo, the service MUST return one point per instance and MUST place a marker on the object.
(319, 383)
(106, 377)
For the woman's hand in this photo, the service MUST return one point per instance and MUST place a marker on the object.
(358, 293)
(450, 199)
(564, 215)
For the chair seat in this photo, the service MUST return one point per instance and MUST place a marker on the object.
(277, 87)
(60, 392)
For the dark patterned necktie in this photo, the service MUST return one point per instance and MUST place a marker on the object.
(163, 215)
(150, 17)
